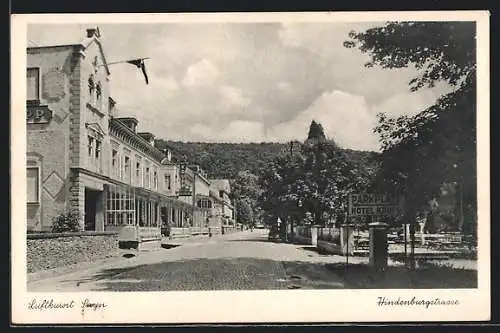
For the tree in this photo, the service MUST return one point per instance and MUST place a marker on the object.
(318, 174)
(244, 212)
(246, 184)
(438, 145)
(422, 152)
(316, 132)
(328, 177)
(279, 182)
(245, 189)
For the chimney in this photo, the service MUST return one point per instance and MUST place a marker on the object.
(149, 137)
(168, 153)
(130, 122)
(111, 105)
(91, 32)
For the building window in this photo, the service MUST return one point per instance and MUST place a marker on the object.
(138, 172)
(33, 84)
(97, 150)
(147, 181)
(155, 180)
(168, 184)
(127, 167)
(33, 184)
(221, 194)
(114, 160)
(98, 95)
(91, 146)
(120, 206)
(203, 203)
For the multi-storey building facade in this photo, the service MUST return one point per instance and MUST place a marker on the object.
(220, 191)
(81, 156)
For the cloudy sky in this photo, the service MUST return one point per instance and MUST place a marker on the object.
(248, 82)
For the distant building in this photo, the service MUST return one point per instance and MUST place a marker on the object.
(220, 191)
(82, 156)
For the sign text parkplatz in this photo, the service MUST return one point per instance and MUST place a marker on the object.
(370, 204)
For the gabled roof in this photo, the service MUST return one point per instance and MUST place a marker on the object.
(220, 185)
(83, 44)
(88, 41)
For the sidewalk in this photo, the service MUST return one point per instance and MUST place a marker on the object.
(123, 256)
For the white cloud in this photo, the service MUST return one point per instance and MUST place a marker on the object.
(201, 73)
(344, 67)
(345, 117)
(406, 103)
(325, 39)
(235, 82)
(233, 97)
(285, 87)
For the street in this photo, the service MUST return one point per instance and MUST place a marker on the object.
(240, 261)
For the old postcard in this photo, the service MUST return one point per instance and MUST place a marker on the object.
(250, 167)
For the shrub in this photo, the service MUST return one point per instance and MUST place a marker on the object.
(68, 221)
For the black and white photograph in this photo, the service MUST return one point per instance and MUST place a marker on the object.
(299, 156)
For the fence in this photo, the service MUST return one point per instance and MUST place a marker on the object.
(149, 233)
(331, 235)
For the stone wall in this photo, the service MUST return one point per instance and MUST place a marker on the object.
(51, 252)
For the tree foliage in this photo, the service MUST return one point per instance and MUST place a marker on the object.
(244, 212)
(316, 132)
(438, 145)
(279, 182)
(245, 191)
(443, 51)
(314, 178)
(226, 160)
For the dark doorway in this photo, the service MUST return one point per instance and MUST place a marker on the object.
(91, 197)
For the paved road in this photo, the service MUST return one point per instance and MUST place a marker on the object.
(240, 261)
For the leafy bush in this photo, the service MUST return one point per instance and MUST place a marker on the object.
(68, 221)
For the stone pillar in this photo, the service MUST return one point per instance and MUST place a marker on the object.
(378, 246)
(422, 234)
(100, 211)
(314, 235)
(347, 239)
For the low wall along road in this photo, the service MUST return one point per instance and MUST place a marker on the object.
(47, 251)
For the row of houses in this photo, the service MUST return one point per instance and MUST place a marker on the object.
(81, 155)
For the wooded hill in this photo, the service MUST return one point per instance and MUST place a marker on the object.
(225, 160)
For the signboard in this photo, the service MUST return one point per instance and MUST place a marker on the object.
(38, 115)
(182, 174)
(370, 204)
